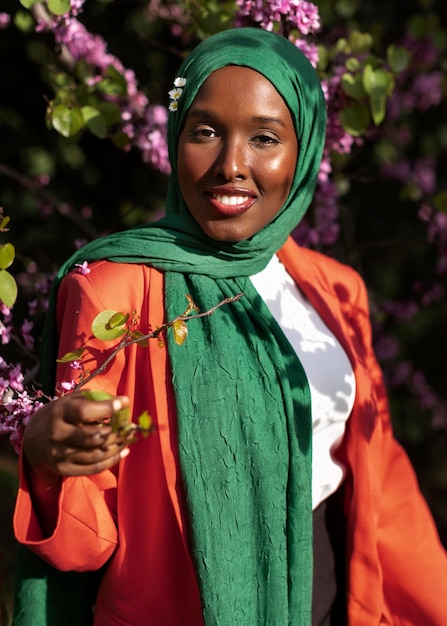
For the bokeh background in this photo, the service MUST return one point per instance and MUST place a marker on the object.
(83, 99)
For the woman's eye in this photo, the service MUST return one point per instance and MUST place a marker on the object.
(203, 133)
(265, 140)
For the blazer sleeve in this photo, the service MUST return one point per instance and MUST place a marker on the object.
(85, 535)
(412, 559)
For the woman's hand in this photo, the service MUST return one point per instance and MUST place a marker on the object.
(67, 437)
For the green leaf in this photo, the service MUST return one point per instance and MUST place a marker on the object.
(398, 58)
(378, 108)
(346, 8)
(94, 121)
(352, 64)
(352, 85)
(71, 356)
(24, 21)
(145, 422)
(68, 122)
(136, 334)
(110, 112)
(355, 119)
(4, 223)
(95, 395)
(180, 332)
(340, 47)
(117, 320)
(323, 58)
(28, 3)
(360, 43)
(114, 83)
(440, 201)
(8, 289)
(105, 326)
(59, 7)
(377, 83)
(7, 254)
(121, 420)
(121, 140)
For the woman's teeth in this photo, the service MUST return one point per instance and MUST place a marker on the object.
(231, 200)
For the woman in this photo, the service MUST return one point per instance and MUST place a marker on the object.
(209, 520)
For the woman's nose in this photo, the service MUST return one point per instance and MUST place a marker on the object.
(231, 162)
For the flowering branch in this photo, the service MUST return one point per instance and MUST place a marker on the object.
(178, 324)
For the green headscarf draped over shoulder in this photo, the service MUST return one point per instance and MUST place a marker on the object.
(242, 398)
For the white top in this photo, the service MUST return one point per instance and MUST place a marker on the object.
(328, 370)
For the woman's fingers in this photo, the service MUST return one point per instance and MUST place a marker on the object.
(80, 464)
(69, 437)
(79, 410)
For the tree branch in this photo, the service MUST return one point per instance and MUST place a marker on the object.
(125, 342)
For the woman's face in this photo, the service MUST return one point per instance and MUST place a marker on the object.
(237, 154)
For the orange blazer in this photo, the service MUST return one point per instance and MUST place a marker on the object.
(134, 517)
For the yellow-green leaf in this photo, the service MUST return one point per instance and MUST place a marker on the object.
(96, 395)
(180, 332)
(145, 422)
(352, 64)
(4, 223)
(398, 58)
(67, 121)
(136, 334)
(28, 3)
(120, 420)
(377, 83)
(106, 327)
(71, 356)
(59, 7)
(378, 108)
(117, 319)
(8, 289)
(360, 43)
(352, 85)
(7, 254)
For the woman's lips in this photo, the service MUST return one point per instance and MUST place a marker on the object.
(231, 204)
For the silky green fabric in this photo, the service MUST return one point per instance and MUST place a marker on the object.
(242, 398)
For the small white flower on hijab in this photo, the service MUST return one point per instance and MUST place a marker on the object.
(175, 93)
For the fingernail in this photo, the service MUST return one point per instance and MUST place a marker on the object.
(117, 405)
(124, 453)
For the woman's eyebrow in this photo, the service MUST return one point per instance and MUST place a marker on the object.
(203, 113)
(258, 119)
(261, 119)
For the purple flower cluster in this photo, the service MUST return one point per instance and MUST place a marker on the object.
(144, 125)
(303, 16)
(173, 12)
(16, 405)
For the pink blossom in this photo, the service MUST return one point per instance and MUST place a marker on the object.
(83, 268)
(26, 329)
(304, 16)
(5, 20)
(66, 385)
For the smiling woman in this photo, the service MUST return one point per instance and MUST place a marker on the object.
(236, 164)
(272, 491)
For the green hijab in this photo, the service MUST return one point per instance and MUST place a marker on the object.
(242, 398)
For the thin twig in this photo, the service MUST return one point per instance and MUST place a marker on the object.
(61, 207)
(125, 342)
